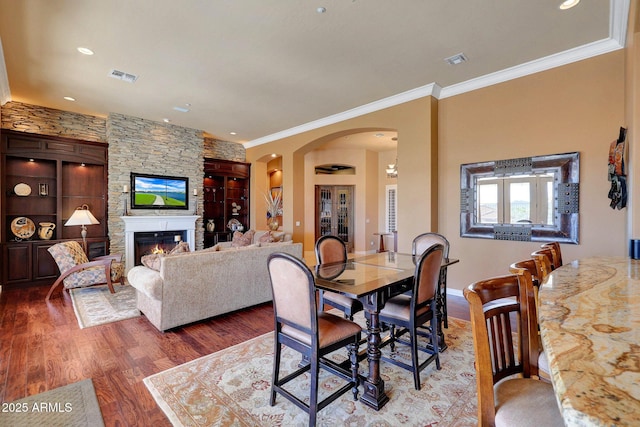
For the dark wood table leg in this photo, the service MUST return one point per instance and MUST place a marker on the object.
(441, 301)
(373, 394)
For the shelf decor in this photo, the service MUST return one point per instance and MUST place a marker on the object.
(274, 208)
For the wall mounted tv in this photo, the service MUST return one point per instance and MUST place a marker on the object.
(159, 191)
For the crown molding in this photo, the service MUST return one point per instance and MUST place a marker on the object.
(381, 104)
(552, 61)
(619, 16)
(5, 93)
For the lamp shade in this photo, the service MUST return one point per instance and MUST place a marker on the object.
(82, 216)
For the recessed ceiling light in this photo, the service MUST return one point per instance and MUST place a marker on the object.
(85, 51)
(232, 133)
(70, 98)
(166, 120)
(274, 155)
(568, 4)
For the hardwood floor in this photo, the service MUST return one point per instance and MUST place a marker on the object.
(42, 347)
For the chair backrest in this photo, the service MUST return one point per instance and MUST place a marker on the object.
(427, 275)
(293, 288)
(330, 249)
(67, 255)
(556, 251)
(502, 348)
(547, 252)
(536, 270)
(543, 266)
(424, 241)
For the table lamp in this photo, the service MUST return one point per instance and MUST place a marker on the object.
(83, 217)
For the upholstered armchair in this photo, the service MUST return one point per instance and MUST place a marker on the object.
(76, 271)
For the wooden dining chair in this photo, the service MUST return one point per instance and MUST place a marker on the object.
(549, 254)
(331, 249)
(556, 252)
(299, 326)
(502, 336)
(538, 269)
(410, 312)
(423, 242)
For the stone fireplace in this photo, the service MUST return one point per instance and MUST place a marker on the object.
(162, 228)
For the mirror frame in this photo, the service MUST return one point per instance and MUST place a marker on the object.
(566, 169)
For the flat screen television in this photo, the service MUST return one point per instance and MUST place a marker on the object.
(159, 191)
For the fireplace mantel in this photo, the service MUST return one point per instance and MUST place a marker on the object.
(145, 223)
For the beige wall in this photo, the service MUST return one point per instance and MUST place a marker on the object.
(416, 205)
(578, 107)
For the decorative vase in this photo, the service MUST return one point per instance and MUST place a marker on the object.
(273, 224)
(45, 232)
(211, 225)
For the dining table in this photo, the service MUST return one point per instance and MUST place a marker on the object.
(373, 279)
(589, 317)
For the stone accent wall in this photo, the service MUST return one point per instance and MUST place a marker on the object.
(48, 121)
(217, 149)
(135, 145)
(138, 145)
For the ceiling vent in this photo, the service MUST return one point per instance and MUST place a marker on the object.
(456, 59)
(121, 75)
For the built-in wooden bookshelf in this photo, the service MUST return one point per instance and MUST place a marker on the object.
(43, 180)
(226, 197)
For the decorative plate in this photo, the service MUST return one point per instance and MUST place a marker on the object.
(23, 227)
(22, 189)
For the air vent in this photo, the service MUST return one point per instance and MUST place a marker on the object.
(456, 59)
(121, 75)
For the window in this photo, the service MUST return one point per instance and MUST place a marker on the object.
(390, 208)
(525, 199)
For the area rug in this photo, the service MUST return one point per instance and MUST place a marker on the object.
(95, 305)
(73, 405)
(232, 387)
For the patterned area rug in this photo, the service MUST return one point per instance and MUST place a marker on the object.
(74, 405)
(231, 388)
(95, 305)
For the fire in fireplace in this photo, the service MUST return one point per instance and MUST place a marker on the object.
(146, 243)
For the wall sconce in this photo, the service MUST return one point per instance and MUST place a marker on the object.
(125, 192)
(83, 217)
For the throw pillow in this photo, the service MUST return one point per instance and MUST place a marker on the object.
(266, 238)
(240, 239)
(180, 247)
(152, 261)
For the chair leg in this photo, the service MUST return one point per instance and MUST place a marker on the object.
(414, 357)
(434, 334)
(276, 370)
(313, 399)
(55, 285)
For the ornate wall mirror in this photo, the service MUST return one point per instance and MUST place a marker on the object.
(526, 199)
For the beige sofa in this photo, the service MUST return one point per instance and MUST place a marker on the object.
(197, 285)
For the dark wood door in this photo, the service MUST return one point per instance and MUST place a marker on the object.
(334, 212)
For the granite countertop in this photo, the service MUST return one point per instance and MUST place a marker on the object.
(590, 327)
